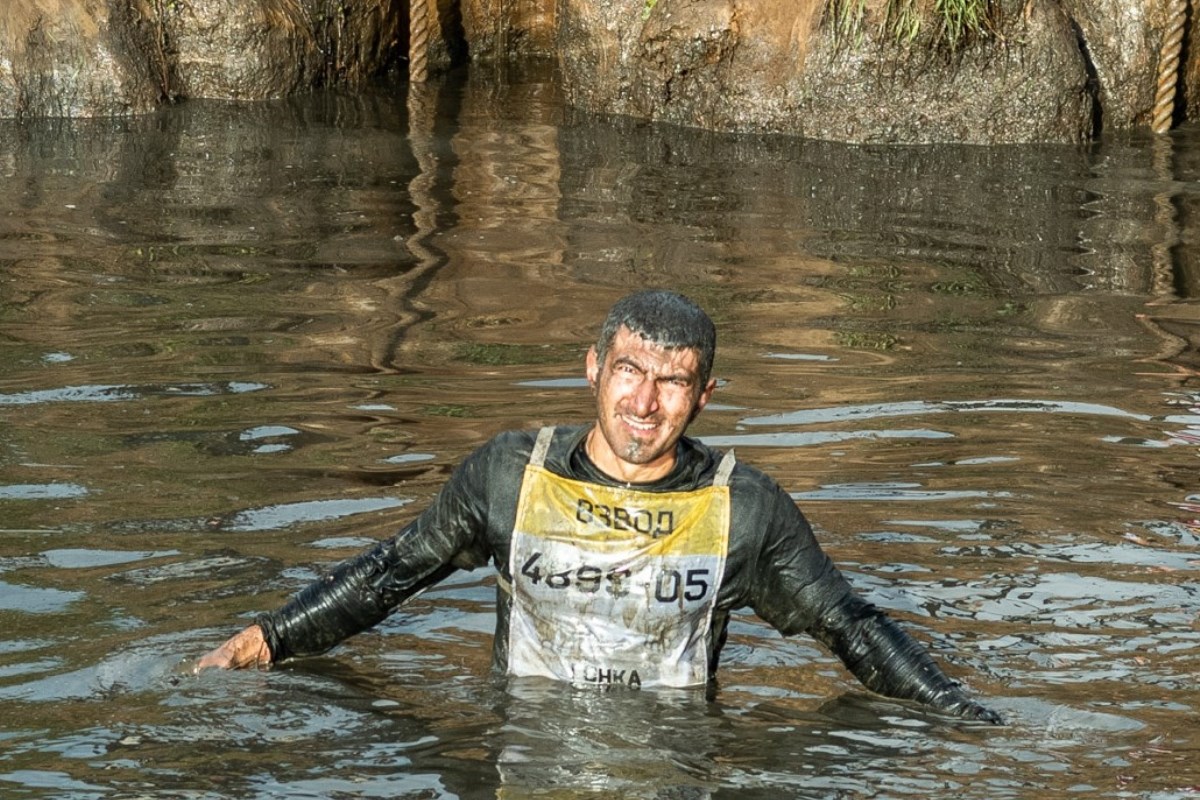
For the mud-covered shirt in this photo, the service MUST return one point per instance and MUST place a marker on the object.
(615, 585)
(773, 566)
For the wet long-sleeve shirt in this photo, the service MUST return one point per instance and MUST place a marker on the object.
(774, 566)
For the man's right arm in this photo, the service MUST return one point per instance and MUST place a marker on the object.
(357, 594)
(362, 591)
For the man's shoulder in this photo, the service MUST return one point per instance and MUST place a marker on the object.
(713, 456)
(761, 499)
(514, 438)
(529, 435)
(518, 443)
(506, 447)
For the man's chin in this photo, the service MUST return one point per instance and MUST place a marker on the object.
(640, 454)
(633, 455)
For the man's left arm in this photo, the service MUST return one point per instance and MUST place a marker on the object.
(800, 590)
(887, 660)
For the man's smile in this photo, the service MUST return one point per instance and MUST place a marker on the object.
(639, 424)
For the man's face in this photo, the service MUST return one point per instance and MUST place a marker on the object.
(646, 396)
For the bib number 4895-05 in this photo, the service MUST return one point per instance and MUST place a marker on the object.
(670, 585)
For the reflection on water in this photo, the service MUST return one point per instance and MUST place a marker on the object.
(241, 342)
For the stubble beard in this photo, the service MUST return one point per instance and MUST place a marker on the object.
(634, 453)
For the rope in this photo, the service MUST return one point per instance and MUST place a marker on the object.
(418, 41)
(1162, 264)
(405, 287)
(1168, 66)
(1162, 252)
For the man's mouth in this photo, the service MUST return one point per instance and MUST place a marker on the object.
(637, 424)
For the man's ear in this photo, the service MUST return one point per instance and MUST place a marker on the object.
(593, 367)
(705, 395)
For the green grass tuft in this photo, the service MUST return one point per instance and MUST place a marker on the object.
(956, 22)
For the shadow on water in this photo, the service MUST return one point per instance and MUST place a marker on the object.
(240, 342)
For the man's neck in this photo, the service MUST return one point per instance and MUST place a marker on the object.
(620, 470)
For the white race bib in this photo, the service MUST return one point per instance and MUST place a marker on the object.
(614, 586)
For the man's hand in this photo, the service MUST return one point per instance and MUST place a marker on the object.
(246, 649)
(982, 713)
(961, 705)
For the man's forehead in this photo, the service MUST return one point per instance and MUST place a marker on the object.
(627, 340)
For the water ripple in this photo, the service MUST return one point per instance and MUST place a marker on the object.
(42, 491)
(816, 438)
(918, 407)
(122, 392)
(286, 514)
(890, 492)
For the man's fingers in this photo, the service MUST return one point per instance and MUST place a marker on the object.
(247, 649)
(218, 658)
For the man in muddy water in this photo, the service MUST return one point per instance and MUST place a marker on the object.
(621, 547)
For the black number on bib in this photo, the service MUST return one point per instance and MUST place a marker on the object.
(697, 584)
(671, 585)
(616, 582)
(587, 579)
(666, 588)
(530, 571)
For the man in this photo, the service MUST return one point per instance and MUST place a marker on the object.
(621, 547)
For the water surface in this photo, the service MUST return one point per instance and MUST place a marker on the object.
(239, 342)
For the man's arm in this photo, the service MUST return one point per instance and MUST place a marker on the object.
(887, 660)
(327, 611)
(358, 594)
(801, 590)
(362, 591)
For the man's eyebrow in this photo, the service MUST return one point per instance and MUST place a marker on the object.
(629, 361)
(686, 376)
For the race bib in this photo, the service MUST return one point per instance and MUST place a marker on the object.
(614, 586)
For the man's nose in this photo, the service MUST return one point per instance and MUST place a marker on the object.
(645, 397)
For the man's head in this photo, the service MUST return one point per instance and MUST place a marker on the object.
(666, 319)
(650, 371)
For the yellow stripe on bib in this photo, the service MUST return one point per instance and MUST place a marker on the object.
(609, 518)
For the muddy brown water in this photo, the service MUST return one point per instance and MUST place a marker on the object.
(238, 342)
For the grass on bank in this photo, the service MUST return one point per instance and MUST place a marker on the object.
(956, 21)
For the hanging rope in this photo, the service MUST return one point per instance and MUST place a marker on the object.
(1162, 262)
(1162, 252)
(418, 41)
(1168, 66)
(405, 288)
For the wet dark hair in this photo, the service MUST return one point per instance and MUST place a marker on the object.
(666, 319)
